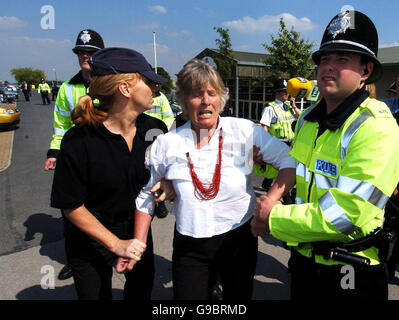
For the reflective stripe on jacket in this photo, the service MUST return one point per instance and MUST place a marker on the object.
(343, 178)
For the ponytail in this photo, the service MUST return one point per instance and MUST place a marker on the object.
(85, 114)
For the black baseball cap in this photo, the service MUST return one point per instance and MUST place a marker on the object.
(122, 60)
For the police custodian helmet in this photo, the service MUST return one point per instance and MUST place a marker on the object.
(351, 31)
(88, 40)
(280, 85)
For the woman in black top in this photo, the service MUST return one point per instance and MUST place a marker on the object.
(100, 171)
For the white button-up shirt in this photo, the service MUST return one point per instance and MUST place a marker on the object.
(235, 202)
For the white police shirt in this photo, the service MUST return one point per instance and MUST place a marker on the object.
(234, 204)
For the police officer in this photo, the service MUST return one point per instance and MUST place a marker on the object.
(277, 118)
(346, 149)
(44, 90)
(88, 41)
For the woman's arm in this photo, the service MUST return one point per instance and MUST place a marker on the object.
(284, 182)
(85, 221)
(142, 224)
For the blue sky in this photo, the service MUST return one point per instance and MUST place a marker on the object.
(183, 28)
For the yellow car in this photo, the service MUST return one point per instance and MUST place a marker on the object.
(9, 116)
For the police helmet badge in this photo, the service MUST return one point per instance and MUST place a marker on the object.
(85, 36)
(340, 24)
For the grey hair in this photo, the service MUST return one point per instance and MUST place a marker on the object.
(195, 75)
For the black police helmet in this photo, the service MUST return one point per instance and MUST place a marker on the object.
(351, 31)
(280, 85)
(88, 40)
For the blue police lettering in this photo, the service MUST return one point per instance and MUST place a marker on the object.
(326, 167)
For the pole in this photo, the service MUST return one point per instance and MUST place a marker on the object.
(236, 102)
(55, 73)
(155, 53)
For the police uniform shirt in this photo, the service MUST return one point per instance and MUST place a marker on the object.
(95, 168)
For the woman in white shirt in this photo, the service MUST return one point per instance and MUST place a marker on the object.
(209, 161)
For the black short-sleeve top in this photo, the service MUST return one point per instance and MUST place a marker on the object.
(95, 168)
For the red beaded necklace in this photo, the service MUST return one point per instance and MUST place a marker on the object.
(207, 191)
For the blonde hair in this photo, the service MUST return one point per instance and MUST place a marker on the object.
(195, 75)
(103, 88)
(372, 90)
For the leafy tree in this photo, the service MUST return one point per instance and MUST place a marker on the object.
(289, 55)
(28, 74)
(167, 87)
(225, 61)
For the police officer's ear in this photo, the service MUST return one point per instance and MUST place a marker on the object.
(368, 70)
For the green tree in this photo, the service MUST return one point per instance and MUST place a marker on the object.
(225, 61)
(289, 54)
(167, 87)
(28, 74)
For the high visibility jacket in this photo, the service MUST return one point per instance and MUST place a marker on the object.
(43, 87)
(67, 98)
(161, 110)
(281, 128)
(343, 179)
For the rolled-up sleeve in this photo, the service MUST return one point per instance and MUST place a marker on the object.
(154, 161)
(273, 150)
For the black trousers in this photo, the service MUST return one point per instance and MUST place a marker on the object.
(312, 281)
(45, 97)
(195, 260)
(92, 272)
(26, 94)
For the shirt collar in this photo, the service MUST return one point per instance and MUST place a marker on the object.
(336, 118)
(185, 130)
(280, 103)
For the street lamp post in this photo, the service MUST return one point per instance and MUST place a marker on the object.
(55, 73)
(155, 53)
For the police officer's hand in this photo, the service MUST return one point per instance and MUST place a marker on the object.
(163, 190)
(257, 156)
(50, 164)
(260, 221)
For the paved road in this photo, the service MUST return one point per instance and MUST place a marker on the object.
(31, 241)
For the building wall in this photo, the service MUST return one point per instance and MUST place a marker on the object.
(389, 75)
